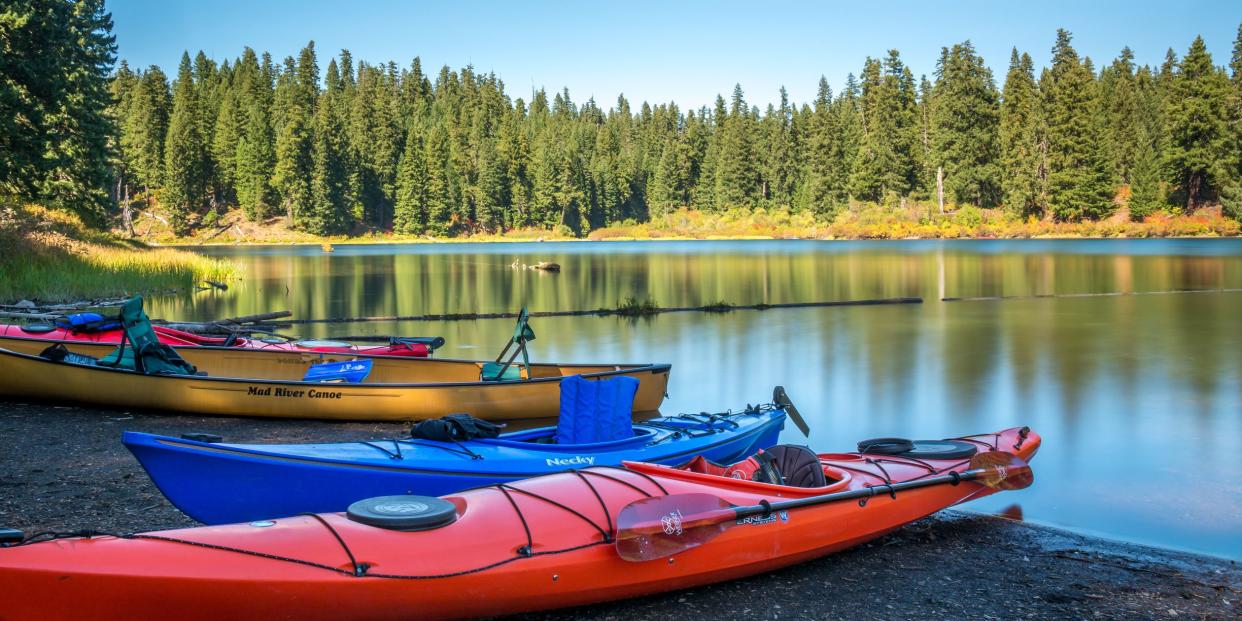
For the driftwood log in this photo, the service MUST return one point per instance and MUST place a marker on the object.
(620, 311)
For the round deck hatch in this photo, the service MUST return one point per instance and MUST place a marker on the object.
(403, 512)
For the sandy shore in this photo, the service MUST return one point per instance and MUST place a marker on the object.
(64, 468)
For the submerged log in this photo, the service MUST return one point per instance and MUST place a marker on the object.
(719, 307)
(1106, 294)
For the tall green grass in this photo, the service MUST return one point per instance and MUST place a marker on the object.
(51, 256)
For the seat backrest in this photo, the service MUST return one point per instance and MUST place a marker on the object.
(596, 410)
(502, 370)
(148, 354)
(798, 465)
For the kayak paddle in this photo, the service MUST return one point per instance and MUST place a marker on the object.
(662, 526)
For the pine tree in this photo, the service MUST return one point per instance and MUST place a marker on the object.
(964, 124)
(1019, 143)
(780, 149)
(513, 149)
(375, 141)
(185, 182)
(441, 182)
(327, 212)
(410, 212)
(1078, 179)
(885, 163)
(256, 150)
(847, 111)
(1121, 116)
(145, 127)
(670, 187)
(737, 177)
(122, 87)
(1147, 189)
(224, 145)
(1231, 179)
(295, 141)
(824, 176)
(492, 187)
(1196, 114)
(207, 93)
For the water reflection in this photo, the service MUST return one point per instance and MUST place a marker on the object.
(1139, 398)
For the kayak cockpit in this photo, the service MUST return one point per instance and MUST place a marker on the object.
(835, 479)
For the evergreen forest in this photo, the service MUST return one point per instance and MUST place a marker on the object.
(339, 145)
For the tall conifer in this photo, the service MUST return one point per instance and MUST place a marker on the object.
(1021, 155)
(964, 124)
(185, 182)
(1078, 179)
(1195, 121)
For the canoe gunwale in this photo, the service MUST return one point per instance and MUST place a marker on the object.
(312, 352)
(619, 369)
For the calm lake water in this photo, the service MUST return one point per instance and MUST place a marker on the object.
(1138, 398)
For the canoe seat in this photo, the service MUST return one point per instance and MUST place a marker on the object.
(146, 354)
(596, 410)
(498, 372)
(504, 370)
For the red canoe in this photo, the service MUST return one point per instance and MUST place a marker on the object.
(538, 544)
(179, 338)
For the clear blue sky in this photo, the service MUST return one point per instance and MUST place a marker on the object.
(666, 50)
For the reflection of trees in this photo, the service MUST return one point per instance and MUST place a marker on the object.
(1062, 352)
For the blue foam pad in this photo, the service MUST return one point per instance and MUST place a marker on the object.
(352, 372)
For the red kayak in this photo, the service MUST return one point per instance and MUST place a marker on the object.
(559, 540)
(419, 347)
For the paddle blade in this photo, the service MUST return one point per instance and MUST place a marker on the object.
(780, 398)
(662, 526)
(1001, 470)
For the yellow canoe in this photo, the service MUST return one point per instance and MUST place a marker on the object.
(397, 388)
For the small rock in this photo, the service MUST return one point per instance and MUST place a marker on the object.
(25, 304)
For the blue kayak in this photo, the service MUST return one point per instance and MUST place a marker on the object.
(218, 483)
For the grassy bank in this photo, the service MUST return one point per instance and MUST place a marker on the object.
(918, 221)
(860, 221)
(49, 255)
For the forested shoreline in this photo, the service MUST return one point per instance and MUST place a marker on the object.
(361, 147)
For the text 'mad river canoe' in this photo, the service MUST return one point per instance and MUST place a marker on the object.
(548, 542)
